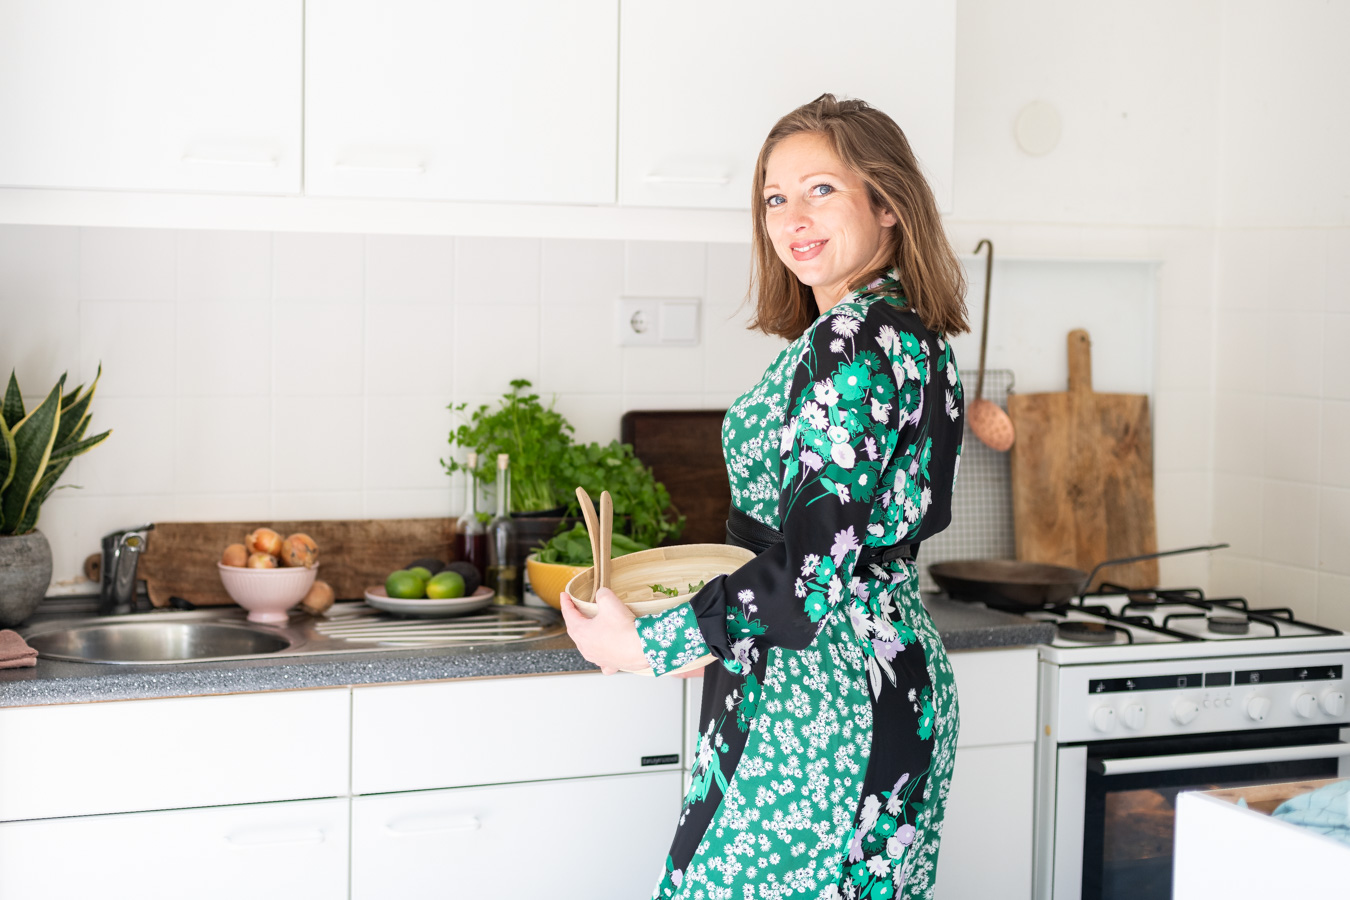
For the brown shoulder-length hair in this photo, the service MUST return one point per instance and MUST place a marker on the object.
(870, 143)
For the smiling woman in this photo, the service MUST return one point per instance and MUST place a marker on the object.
(829, 718)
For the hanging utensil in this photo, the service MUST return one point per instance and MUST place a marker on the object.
(592, 525)
(988, 420)
(603, 564)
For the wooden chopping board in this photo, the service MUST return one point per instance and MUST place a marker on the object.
(683, 448)
(1082, 476)
(180, 557)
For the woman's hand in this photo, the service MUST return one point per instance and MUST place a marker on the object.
(610, 640)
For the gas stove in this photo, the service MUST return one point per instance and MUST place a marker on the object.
(1117, 624)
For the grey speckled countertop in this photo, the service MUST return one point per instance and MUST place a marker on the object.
(963, 626)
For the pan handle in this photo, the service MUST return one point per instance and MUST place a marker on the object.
(1130, 559)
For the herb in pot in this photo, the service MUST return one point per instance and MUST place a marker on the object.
(636, 493)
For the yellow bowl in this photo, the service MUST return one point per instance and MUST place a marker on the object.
(547, 580)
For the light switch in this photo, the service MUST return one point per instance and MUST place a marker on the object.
(679, 322)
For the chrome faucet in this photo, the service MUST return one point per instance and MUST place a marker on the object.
(117, 580)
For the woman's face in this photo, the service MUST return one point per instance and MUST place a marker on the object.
(819, 217)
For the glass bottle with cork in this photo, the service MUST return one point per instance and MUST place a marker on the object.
(471, 537)
(503, 575)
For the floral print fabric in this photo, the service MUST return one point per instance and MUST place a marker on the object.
(829, 722)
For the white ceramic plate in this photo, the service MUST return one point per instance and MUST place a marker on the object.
(379, 598)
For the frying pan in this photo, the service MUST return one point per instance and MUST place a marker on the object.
(1026, 585)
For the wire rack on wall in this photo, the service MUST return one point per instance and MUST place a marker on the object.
(982, 519)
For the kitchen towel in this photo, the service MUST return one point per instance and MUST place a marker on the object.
(15, 652)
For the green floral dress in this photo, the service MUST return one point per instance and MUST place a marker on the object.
(828, 726)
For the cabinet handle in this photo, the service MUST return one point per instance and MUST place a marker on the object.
(268, 163)
(654, 178)
(430, 822)
(415, 169)
(272, 836)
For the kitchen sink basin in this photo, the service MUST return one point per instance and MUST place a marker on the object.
(211, 635)
(157, 641)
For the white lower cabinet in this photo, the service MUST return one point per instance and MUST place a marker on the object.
(986, 835)
(287, 851)
(583, 838)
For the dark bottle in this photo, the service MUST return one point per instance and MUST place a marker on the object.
(471, 538)
(503, 574)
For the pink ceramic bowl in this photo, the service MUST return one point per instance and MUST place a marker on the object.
(267, 593)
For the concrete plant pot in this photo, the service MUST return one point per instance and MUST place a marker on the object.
(25, 574)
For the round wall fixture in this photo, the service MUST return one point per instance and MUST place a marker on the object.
(1038, 128)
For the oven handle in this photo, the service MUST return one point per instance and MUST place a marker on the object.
(1137, 764)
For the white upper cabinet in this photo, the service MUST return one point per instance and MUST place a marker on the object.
(158, 95)
(456, 100)
(703, 81)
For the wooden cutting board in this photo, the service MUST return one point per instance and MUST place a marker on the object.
(683, 448)
(1082, 476)
(180, 557)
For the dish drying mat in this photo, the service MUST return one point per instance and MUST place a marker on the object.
(982, 517)
(497, 626)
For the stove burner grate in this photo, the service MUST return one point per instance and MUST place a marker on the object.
(1229, 624)
(1090, 632)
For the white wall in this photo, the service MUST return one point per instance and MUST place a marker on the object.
(1282, 368)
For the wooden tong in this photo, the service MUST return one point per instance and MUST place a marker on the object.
(601, 532)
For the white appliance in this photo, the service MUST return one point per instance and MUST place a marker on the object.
(1145, 694)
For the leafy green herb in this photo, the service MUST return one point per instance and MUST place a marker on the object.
(638, 497)
(573, 548)
(695, 588)
(669, 592)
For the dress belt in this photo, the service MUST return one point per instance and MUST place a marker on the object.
(754, 535)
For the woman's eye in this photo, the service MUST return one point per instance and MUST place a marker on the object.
(775, 200)
(821, 190)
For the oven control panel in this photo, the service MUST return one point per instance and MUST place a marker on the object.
(1106, 702)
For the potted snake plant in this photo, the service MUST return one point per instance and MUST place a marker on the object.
(36, 447)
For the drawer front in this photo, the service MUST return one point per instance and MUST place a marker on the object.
(286, 851)
(997, 693)
(494, 731)
(128, 756)
(589, 839)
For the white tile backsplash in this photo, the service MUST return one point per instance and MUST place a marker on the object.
(497, 271)
(1182, 431)
(318, 268)
(1238, 417)
(1336, 444)
(317, 349)
(1336, 371)
(1289, 530)
(405, 439)
(315, 445)
(410, 348)
(224, 266)
(573, 274)
(135, 341)
(663, 269)
(222, 445)
(1291, 436)
(496, 344)
(224, 349)
(126, 264)
(1238, 515)
(39, 264)
(1291, 588)
(46, 345)
(410, 269)
(1338, 271)
(579, 352)
(138, 457)
(1333, 551)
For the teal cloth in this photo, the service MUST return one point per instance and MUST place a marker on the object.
(1325, 810)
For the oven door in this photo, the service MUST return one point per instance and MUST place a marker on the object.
(1116, 800)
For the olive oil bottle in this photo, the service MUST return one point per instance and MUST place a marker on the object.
(503, 574)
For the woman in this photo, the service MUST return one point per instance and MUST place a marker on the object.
(829, 719)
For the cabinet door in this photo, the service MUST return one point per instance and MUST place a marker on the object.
(461, 100)
(84, 759)
(702, 82)
(286, 851)
(589, 839)
(986, 835)
(496, 730)
(180, 95)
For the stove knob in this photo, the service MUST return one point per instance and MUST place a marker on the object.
(1305, 705)
(1185, 711)
(1133, 716)
(1333, 703)
(1257, 707)
(1104, 719)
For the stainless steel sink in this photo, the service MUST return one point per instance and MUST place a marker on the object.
(165, 637)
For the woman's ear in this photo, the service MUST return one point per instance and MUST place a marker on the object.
(886, 218)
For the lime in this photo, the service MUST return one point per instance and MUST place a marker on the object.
(405, 585)
(445, 586)
(421, 572)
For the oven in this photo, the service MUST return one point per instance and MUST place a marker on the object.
(1120, 741)
(1117, 799)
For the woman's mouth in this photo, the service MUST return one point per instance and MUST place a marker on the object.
(809, 250)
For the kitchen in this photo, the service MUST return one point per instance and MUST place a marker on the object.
(1162, 176)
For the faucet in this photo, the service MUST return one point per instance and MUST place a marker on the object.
(117, 584)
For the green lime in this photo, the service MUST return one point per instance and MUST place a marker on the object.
(421, 572)
(446, 586)
(405, 585)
